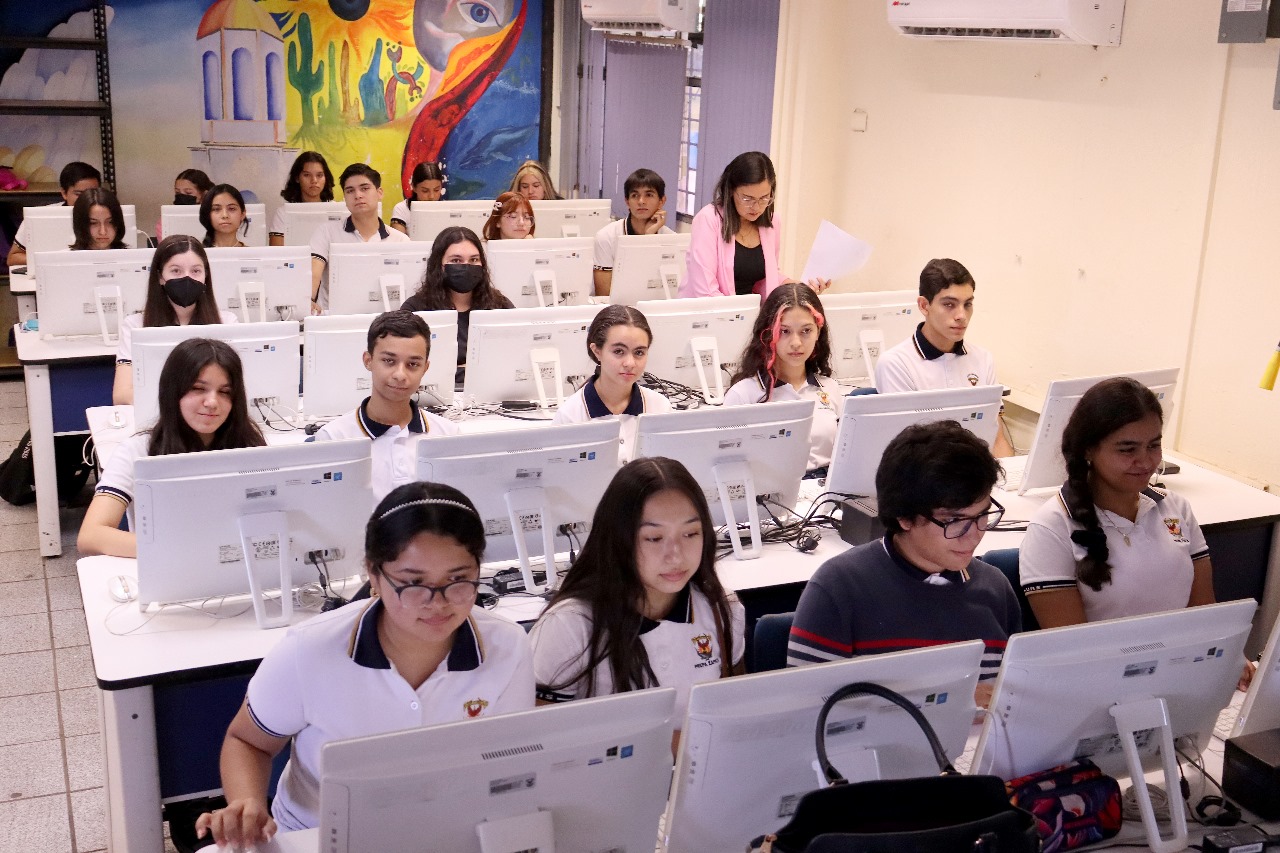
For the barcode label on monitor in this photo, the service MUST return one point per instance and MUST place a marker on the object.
(523, 782)
(363, 383)
(260, 492)
(857, 724)
(230, 554)
(528, 473)
(497, 527)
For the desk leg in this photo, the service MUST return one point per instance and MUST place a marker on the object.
(40, 413)
(134, 821)
(1269, 610)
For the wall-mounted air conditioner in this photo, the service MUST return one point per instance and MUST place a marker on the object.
(1081, 21)
(641, 15)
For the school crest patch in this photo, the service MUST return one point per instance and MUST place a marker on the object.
(1174, 525)
(702, 643)
(473, 707)
(973, 379)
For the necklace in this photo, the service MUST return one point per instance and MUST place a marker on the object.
(1105, 517)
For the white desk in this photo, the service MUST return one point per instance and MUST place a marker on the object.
(23, 288)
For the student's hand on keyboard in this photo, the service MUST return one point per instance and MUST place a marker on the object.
(242, 823)
(1246, 677)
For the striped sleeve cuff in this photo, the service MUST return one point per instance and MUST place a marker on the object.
(547, 695)
(1043, 586)
(257, 722)
(119, 494)
(1200, 555)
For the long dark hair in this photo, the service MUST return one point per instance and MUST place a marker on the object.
(159, 310)
(206, 210)
(172, 434)
(608, 317)
(197, 178)
(420, 508)
(84, 207)
(426, 172)
(761, 354)
(433, 291)
(606, 579)
(502, 205)
(292, 193)
(752, 167)
(1110, 405)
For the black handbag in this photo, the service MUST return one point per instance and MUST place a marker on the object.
(949, 813)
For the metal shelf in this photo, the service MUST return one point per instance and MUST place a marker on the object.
(24, 42)
(54, 108)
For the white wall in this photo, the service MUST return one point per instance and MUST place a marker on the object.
(1113, 204)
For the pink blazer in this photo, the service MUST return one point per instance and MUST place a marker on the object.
(709, 264)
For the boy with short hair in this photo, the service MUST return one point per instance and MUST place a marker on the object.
(362, 191)
(399, 347)
(75, 178)
(646, 195)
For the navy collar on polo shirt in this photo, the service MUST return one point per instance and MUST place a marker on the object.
(374, 429)
(928, 351)
(350, 227)
(366, 649)
(810, 378)
(597, 409)
(914, 571)
(681, 612)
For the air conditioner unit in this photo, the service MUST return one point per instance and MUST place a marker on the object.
(1095, 22)
(641, 15)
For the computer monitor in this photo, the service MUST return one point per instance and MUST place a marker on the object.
(590, 775)
(48, 229)
(747, 752)
(428, 218)
(1044, 465)
(647, 266)
(699, 342)
(269, 353)
(302, 218)
(542, 271)
(262, 283)
(1260, 710)
(1116, 692)
(864, 325)
(374, 277)
(571, 217)
(185, 219)
(230, 522)
(334, 378)
(88, 293)
(871, 421)
(528, 354)
(542, 481)
(736, 453)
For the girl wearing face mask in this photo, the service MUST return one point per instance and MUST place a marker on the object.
(457, 278)
(188, 188)
(179, 293)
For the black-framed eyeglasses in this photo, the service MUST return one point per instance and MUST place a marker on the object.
(420, 594)
(956, 528)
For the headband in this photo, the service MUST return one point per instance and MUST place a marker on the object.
(429, 501)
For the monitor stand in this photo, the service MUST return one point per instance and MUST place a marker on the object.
(1136, 716)
(550, 357)
(532, 505)
(712, 393)
(518, 834)
(669, 275)
(264, 539)
(252, 294)
(731, 475)
(107, 300)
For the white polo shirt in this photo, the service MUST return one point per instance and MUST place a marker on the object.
(1151, 573)
(344, 231)
(606, 248)
(277, 223)
(329, 679)
(124, 349)
(400, 213)
(917, 365)
(117, 478)
(394, 451)
(823, 390)
(683, 648)
(586, 405)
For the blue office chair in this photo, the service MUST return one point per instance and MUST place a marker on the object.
(1006, 560)
(858, 392)
(769, 642)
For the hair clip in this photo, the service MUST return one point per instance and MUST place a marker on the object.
(429, 501)
(497, 207)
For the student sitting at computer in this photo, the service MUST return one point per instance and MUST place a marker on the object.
(362, 192)
(427, 184)
(223, 215)
(642, 605)
(75, 178)
(646, 195)
(789, 358)
(398, 352)
(533, 181)
(919, 585)
(510, 219)
(179, 293)
(457, 277)
(309, 181)
(97, 221)
(419, 653)
(202, 407)
(188, 188)
(618, 341)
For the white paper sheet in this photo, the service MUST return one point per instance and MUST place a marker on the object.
(835, 253)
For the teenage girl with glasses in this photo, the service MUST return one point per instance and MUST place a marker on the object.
(511, 218)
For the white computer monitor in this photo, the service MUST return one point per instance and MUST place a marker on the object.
(571, 217)
(543, 271)
(871, 421)
(48, 229)
(736, 453)
(863, 325)
(528, 354)
(699, 342)
(334, 378)
(1260, 709)
(747, 753)
(90, 292)
(269, 353)
(231, 522)
(647, 266)
(428, 218)
(540, 481)
(592, 775)
(302, 218)
(1044, 466)
(185, 219)
(369, 278)
(1104, 691)
(262, 283)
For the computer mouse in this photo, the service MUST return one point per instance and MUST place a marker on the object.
(121, 588)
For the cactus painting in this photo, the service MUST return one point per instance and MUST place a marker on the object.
(305, 80)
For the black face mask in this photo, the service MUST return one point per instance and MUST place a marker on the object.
(181, 198)
(463, 278)
(184, 292)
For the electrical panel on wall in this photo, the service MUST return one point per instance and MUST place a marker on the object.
(651, 17)
(1095, 22)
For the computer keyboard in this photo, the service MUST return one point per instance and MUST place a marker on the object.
(1015, 468)
(1227, 719)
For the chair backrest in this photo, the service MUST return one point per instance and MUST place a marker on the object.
(769, 642)
(858, 392)
(1006, 560)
